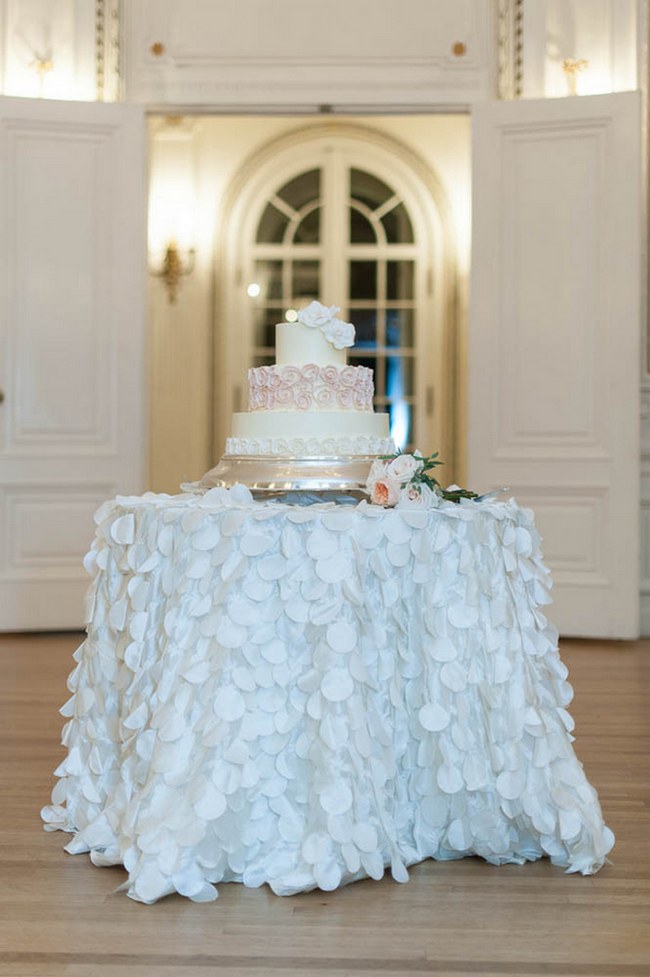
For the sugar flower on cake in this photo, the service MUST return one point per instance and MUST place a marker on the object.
(316, 315)
(340, 334)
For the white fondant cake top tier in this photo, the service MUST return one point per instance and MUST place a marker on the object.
(317, 337)
(297, 345)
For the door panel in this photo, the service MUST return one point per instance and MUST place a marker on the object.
(71, 343)
(554, 344)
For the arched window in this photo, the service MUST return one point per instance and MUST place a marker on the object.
(365, 222)
(340, 220)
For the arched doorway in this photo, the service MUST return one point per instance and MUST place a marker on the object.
(348, 216)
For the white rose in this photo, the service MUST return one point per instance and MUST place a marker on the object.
(404, 467)
(420, 496)
(316, 315)
(385, 492)
(339, 334)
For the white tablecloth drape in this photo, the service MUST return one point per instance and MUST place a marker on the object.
(302, 696)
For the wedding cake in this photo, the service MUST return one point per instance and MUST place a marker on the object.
(310, 421)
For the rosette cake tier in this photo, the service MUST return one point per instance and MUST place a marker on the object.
(310, 424)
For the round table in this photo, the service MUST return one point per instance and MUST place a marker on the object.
(305, 695)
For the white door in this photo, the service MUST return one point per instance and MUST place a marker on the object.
(554, 340)
(72, 196)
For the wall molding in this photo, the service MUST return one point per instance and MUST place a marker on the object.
(509, 48)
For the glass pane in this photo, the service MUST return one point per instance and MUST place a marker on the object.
(268, 275)
(400, 422)
(397, 225)
(264, 332)
(399, 279)
(368, 361)
(361, 230)
(308, 230)
(399, 327)
(368, 189)
(302, 189)
(365, 322)
(272, 226)
(305, 279)
(263, 360)
(399, 376)
(363, 280)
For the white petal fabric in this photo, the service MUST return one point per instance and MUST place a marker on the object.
(305, 696)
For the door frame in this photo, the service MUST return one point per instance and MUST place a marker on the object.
(427, 203)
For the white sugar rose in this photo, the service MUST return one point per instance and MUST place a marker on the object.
(339, 334)
(316, 315)
(404, 467)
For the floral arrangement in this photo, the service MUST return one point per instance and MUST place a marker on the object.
(407, 479)
(317, 316)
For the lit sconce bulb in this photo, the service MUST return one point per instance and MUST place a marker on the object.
(253, 290)
(291, 315)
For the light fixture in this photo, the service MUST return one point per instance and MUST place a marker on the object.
(253, 290)
(172, 209)
(291, 315)
(572, 67)
(175, 266)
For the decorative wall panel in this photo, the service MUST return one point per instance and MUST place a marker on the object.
(59, 333)
(552, 335)
(304, 53)
(574, 524)
(48, 529)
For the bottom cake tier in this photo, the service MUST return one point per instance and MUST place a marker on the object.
(327, 432)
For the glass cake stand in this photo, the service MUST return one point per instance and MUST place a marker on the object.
(271, 477)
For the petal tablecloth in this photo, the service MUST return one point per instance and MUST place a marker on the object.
(303, 696)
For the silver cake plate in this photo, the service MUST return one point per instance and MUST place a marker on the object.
(270, 476)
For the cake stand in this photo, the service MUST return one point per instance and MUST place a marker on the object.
(270, 476)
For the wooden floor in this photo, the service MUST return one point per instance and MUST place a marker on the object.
(59, 914)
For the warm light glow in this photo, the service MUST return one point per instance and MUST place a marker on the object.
(172, 216)
(593, 81)
(253, 290)
(34, 69)
(592, 77)
(291, 315)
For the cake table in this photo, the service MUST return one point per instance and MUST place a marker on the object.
(305, 695)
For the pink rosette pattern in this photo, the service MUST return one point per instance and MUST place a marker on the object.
(324, 397)
(309, 372)
(347, 399)
(310, 387)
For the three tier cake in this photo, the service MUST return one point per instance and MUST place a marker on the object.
(310, 423)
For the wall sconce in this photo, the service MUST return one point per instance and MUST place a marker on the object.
(572, 68)
(172, 229)
(174, 267)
